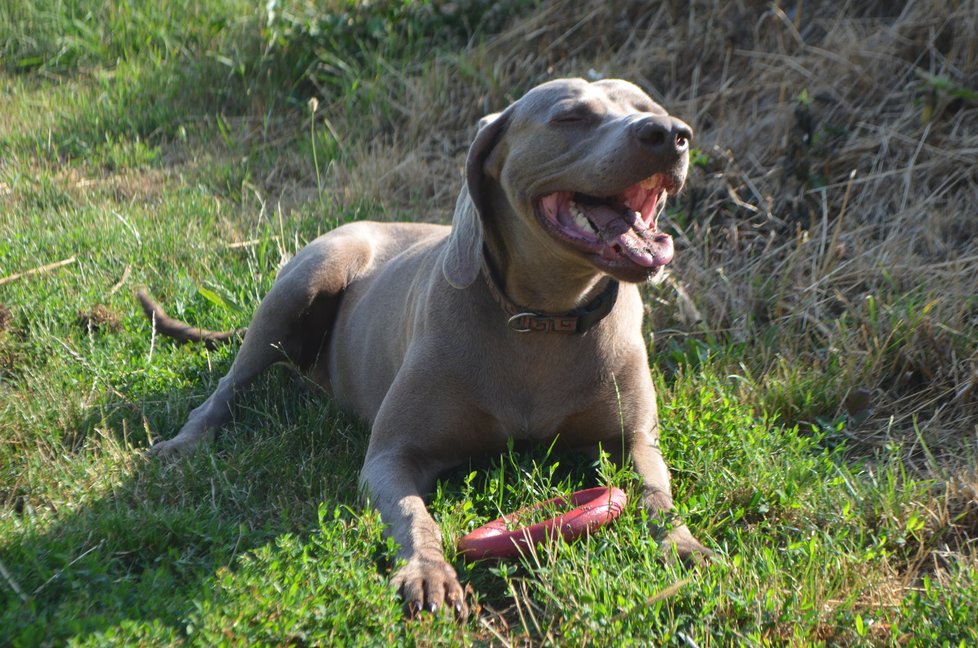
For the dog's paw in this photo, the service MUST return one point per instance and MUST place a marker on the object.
(173, 448)
(679, 544)
(430, 585)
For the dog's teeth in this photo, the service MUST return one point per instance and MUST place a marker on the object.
(640, 220)
(581, 221)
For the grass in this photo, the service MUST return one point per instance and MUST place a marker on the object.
(815, 349)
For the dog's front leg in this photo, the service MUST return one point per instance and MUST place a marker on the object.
(657, 499)
(395, 482)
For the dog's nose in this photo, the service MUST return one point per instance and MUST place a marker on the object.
(663, 135)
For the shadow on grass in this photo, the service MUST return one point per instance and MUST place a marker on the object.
(264, 521)
(147, 542)
(143, 550)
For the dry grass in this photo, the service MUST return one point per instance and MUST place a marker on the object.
(828, 230)
(833, 212)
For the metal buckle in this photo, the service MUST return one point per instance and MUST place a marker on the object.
(512, 321)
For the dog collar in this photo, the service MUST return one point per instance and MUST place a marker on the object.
(526, 320)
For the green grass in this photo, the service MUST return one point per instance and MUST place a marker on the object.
(170, 144)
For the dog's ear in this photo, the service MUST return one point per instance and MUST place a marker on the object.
(462, 259)
(485, 121)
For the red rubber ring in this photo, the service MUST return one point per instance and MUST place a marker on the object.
(595, 508)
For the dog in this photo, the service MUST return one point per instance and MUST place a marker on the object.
(523, 319)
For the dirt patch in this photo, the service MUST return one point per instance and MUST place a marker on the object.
(6, 318)
(99, 319)
(10, 351)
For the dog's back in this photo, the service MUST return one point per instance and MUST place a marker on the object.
(377, 310)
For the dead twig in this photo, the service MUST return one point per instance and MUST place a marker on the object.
(45, 268)
(118, 285)
(14, 585)
(661, 595)
(248, 243)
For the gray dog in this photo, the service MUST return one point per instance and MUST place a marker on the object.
(510, 324)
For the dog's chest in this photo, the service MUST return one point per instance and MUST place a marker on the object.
(542, 401)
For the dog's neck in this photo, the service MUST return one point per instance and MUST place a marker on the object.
(534, 284)
(525, 319)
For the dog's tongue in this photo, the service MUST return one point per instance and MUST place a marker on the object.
(647, 248)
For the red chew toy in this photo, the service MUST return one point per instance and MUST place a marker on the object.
(595, 508)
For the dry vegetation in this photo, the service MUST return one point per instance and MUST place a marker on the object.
(831, 216)
(826, 276)
(828, 228)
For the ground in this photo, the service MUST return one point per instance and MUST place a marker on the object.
(815, 346)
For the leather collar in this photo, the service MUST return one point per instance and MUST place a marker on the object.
(526, 320)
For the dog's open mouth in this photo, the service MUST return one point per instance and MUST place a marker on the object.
(616, 229)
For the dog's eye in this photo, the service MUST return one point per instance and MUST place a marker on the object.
(572, 117)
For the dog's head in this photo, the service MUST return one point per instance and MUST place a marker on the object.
(586, 165)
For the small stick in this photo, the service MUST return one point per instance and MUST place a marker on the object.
(44, 268)
(662, 594)
(118, 285)
(13, 584)
(241, 244)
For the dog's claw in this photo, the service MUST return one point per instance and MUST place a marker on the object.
(429, 585)
(680, 544)
(183, 444)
